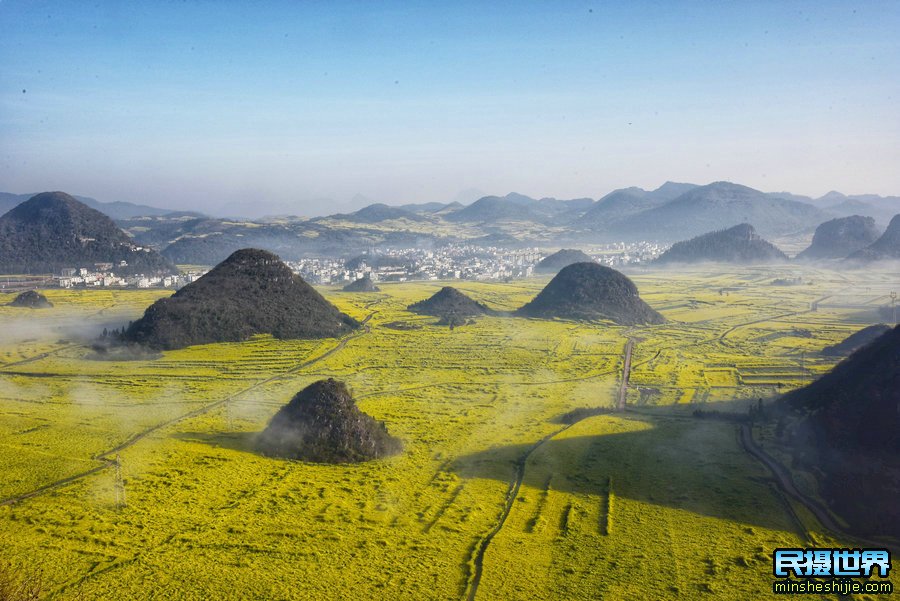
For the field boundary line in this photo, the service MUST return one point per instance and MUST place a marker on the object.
(476, 560)
(626, 374)
(104, 456)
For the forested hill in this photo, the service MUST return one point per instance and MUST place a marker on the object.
(52, 231)
(739, 244)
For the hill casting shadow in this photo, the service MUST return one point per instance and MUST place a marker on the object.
(235, 441)
(692, 465)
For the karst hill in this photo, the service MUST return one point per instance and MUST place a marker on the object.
(323, 424)
(363, 284)
(450, 302)
(250, 292)
(591, 292)
(53, 231)
(561, 258)
(838, 238)
(31, 299)
(848, 428)
(738, 244)
(886, 247)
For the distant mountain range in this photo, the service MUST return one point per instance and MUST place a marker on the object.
(670, 213)
(610, 209)
(627, 202)
(718, 206)
(114, 210)
(674, 211)
(518, 207)
(378, 212)
(881, 208)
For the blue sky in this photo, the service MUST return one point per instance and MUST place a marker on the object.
(299, 106)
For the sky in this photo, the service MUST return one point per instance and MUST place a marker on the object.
(314, 107)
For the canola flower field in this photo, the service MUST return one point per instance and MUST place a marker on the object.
(138, 479)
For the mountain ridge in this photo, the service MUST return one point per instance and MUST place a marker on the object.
(114, 209)
(718, 206)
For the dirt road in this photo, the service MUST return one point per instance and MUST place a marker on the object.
(786, 483)
(108, 456)
(480, 549)
(626, 373)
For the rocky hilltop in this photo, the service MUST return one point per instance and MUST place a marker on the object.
(738, 244)
(561, 258)
(323, 424)
(250, 292)
(31, 299)
(363, 284)
(449, 302)
(886, 247)
(52, 231)
(841, 237)
(590, 291)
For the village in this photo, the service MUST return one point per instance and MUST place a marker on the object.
(102, 275)
(450, 262)
(457, 262)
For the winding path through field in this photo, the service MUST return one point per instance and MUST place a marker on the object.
(813, 306)
(108, 457)
(480, 549)
(61, 347)
(725, 334)
(512, 492)
(784, 480)
(786, 483)
(626, 373)
(37, 357)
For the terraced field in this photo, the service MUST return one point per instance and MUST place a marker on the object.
(495, 496)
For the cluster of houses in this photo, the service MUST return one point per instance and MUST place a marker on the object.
(450, 262)
(620, 254)
(456, 262)
(102, 275)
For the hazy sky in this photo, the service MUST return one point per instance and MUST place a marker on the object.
(299, 106)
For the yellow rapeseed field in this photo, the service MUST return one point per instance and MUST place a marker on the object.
(139, 480)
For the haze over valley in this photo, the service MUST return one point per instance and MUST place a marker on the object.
(464, 301)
